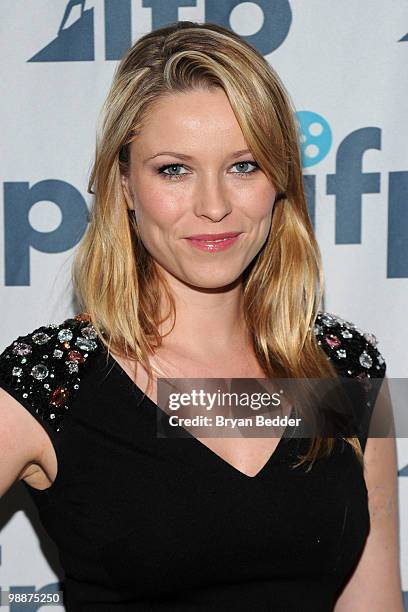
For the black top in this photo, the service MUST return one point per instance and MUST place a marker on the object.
(146, 523)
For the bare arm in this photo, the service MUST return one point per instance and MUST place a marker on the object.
(22, 440)
(375, 585)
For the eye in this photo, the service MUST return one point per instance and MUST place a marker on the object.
(245, 163)
(172, 177)
(175, 177)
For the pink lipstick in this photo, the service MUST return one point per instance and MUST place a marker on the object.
(214, 242)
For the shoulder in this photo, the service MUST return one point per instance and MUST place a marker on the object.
(355, 355)
(42, 369)
(353, 351)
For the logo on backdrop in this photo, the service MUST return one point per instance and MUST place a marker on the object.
(74, 41)
(75, 38)
(315, 137)
(349, 183)
(403, 471)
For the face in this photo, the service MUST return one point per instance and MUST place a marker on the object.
(189, 175)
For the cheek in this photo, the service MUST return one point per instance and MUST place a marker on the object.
(156, 209)
(258, 205)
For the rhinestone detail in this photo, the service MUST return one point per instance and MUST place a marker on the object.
(355, 355)
(65, 335)
(39, 371)
(41, 338)
(66, 348)
(352, 351)
(48, 353)
(21, 348)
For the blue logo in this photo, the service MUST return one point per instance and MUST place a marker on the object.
(315, 137)
(350, 183)
(76, 42)
(403, 471)
(20, 236)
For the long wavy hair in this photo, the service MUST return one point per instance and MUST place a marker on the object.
(115, 278)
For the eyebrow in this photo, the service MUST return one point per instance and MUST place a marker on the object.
(190, 157)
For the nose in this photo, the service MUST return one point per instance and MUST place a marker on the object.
(211, 198)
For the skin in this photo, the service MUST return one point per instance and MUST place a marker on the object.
(206, 287)
(210, 197)
(215, 194)
(375, 585)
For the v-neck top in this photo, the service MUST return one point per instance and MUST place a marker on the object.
(147, 523)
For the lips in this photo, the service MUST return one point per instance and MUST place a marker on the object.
(214, 243)
(214, 237)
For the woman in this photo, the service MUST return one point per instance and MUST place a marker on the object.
(198, 140)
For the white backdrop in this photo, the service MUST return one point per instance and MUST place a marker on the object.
(345, 66)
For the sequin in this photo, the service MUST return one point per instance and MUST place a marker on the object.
(331, 319)
(365, 360)
(72, 366)
(76, 356)
(371, 338)
(39, 371)
(21, 348)
(328, 320)
(41, 338)
(65, 335)
(85, 344)
(59, 396)
(89, 332)
(332, 341)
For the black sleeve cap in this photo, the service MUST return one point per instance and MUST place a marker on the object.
(42, 369)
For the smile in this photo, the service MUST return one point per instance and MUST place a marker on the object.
(211, 246)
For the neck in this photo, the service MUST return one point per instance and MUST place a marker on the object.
(208, 321)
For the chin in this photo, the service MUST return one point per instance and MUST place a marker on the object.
(214, 282)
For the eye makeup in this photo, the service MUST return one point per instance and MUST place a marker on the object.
(176, 177)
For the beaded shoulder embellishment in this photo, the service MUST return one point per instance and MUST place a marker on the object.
(43, 367)
(353, 351)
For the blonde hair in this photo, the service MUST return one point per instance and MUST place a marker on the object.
(114, 276)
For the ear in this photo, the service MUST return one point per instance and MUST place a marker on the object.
(127, 191)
